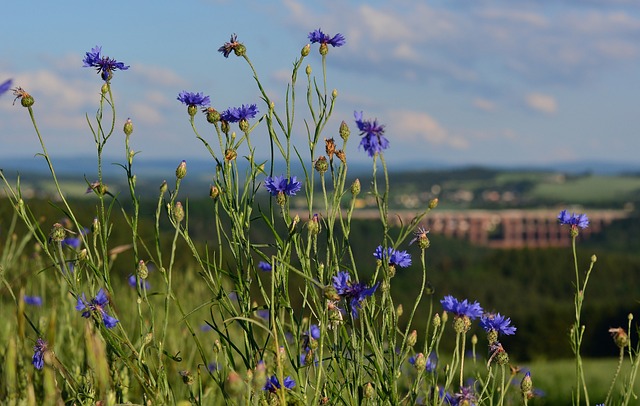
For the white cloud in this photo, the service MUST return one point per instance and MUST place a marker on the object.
(484, 104)
(421, 126)
(542, 103)
(157, 75)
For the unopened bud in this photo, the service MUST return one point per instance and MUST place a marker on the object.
(344, 131)
(399, 310)
(128, 127)
(141, 270)
(234, 385)
(213, 116)
(474, 339)
(305, 50)
(321, 165)
(163, 187)
(331, 293)
(104, 89)
(178, 212)
(259, 376)
(214, 192)
(526, 386)
(412, 339)
(368, 391)
(594, 258)
(57, 233)
(355, 187)
(308, 70)
(334, 93)
(420, 362)
(244, 125)
(433, 203)
(181, 170)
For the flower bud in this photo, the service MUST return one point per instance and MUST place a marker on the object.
(399, 310)
(181, 170)
(305, 50)
(82, 255)
(620, 337)
(95, 226)
(163, 187)
(234, 385)
(321, 165)
(244, 125)
(314, 225)
(212, 115)
(178, 212)
(324, 49)
(492, 336)
(308, 70)
(474, 339)
(141, 270)
(217, 347)
(594, 258)
(436, 320)
(57, 233)
(214, 192)
(368, 391)
(331, 293)
(526, 386)
(224, 126)
(259, 376)
(355, 187)
(105, 88)
(128, 127)
(412, 339)
(433, 203)
(147, 338)
(334, 93)
(420, 362)
(344, 131)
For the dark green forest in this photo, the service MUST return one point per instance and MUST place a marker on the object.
(531, 286)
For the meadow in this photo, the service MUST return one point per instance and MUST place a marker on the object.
(140, 301)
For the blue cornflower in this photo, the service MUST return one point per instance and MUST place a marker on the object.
(373, 139)
(497, 323)
(104, 64)
(97, 304)
(352, 292)
(314, 332)
(464, 308)
(273, 384)
(466, 396)
(32, 300)
(232, 45)
(264, 266)
(401, 259)
(142, 283)
(574, 220)
(318, 36)
(193, 99)
(235, 114)
(213, 366)
(282, 185)
(38, 353)
(5, 86)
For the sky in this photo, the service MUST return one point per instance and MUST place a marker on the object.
(456, 82)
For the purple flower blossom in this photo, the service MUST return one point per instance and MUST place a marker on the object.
(38, 353)
(104, 64)
(264, 266)
(280, 184)
(464, 308)
(401, 259)
(97, 304)
(32, 300)
(314, 332)
(573, 219)
(318, 36)
(213, 366)
(235, 114)
(352, 292)
(263, 314)
(142, 283)
(228, 47)
(497, 322)
(273, 384)
(193, 99)
(5, 86)
(373, 140)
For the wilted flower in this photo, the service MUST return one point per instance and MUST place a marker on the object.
(232, 45)
(193, 99)
(235, 114)
(5, 86)
(97, 304)
(38, 353)
(353, 292)
(32, 300)
(273, 384)
(401, 259)
(373, 140)
(320, 37)
(104, 64)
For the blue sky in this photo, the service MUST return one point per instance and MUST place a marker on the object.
(464, 82)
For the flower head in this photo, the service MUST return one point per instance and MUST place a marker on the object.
(5, 86)
(104, 64)
(235, 114)
(38, 353)
(320, 37)
(32, 300)
(373, 140)
(395, 258)
(264, 266)
(573, 219)
(352, 292)
(193, 99)
(96, 305)
(282, 185)
(461, 308)
(430, 366)
(232, 45)
(273, 384)
(498, 323)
